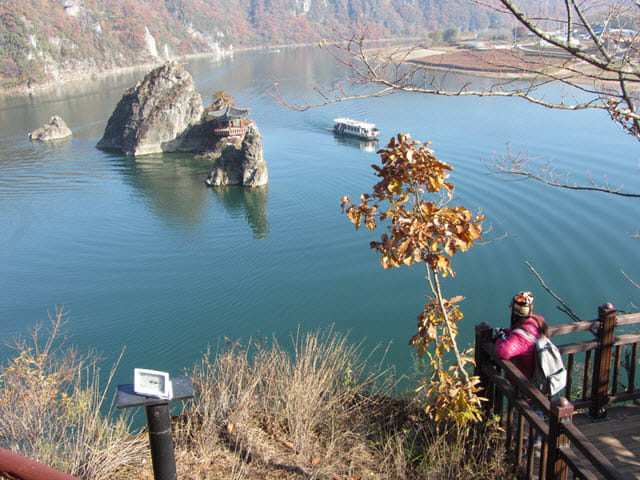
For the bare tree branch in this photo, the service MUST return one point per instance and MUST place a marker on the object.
(519, 167)
(614, 82)
(635, 307)
(629, 278)
(565, 308)
(623, 104)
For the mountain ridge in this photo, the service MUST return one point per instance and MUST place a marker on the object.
(46, 41)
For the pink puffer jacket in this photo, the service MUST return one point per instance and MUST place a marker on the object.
(519, 348)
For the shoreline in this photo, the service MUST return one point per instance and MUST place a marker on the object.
(68, 80)
(419, 56)
(502, 63)
(71, 79)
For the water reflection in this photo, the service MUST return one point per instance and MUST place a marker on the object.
(251, 74)
(251, 202)
(172, 185)
(366, 145)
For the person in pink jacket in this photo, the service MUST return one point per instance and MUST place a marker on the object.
(516, 346)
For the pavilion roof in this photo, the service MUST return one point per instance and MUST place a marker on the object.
(229, 112)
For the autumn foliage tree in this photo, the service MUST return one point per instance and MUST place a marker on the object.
(429, 232)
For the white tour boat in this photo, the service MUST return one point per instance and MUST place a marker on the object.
(354, 128)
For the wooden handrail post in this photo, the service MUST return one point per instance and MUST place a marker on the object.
(483, 334)
(561, 412)
(602, 361)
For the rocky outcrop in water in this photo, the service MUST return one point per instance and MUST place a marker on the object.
(56, 129)
(151, 115)
(238, 162)
(164, 113)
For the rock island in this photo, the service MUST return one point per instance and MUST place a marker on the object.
(164, 113)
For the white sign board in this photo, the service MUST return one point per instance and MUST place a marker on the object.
(152, 383)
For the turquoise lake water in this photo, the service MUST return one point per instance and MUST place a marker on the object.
(142, 254)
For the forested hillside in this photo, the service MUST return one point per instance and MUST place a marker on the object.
(47, 40)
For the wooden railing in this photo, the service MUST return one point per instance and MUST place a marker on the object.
(603, 358)
(511, 396)
(16, 467)
(229, 131)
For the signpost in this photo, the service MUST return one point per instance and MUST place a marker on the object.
(154, 390)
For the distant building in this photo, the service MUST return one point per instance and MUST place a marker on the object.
(476, 45)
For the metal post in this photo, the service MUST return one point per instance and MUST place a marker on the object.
(161, 442)
(159, 423)
(602, 362)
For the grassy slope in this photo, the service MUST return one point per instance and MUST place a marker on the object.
(312, 410)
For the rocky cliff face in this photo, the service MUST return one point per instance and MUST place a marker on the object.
(151, 115)
(238, 162)
(164, 113)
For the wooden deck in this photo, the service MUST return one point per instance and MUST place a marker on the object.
(618, 437)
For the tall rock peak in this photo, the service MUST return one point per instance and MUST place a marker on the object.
(154, 112)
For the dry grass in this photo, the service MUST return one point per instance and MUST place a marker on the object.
(309, 411)
(50, 410)
(313, 412)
